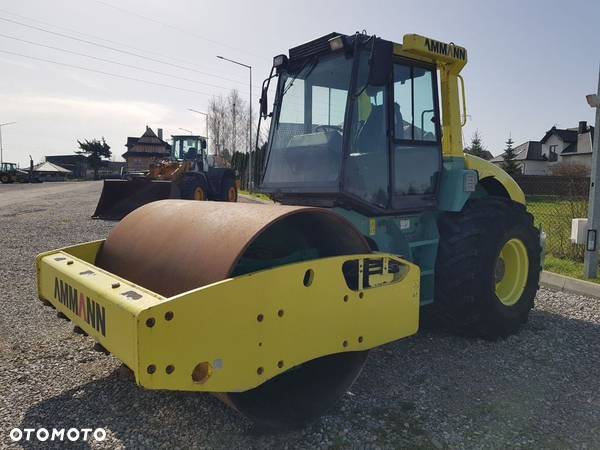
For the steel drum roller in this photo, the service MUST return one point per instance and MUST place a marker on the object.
(173, 246)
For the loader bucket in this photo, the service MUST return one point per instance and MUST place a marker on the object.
(120, 197)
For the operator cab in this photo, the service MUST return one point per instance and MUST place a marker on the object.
(190, 148)
(353, 124)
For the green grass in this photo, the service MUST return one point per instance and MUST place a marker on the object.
(566, 267)
(256, 195)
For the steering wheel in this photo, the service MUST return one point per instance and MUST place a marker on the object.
(328, 127)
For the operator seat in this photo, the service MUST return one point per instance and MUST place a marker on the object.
(192, 153)
(372, 137)
(398, 122)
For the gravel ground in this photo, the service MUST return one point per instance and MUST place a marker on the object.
(540, 389)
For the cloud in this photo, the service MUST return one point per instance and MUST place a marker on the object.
(84, 108)
(18, 63)
(51, 124)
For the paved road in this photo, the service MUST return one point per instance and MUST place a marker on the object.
(18, 193)
(21, 193)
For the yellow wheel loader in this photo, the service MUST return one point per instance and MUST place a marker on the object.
(273, 308)
(185, 175)
(8, 173)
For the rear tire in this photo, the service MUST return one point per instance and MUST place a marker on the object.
(478, 293)
(4, 179)
(194, 186)
(228, 190)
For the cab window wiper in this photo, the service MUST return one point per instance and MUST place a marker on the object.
(313, 63)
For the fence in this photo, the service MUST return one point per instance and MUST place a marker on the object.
(545, 185)
(554, 201)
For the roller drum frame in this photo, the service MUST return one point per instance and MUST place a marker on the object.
(271, 308)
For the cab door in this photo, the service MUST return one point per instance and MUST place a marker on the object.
(416, 151)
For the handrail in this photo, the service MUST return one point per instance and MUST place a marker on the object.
(463, 121)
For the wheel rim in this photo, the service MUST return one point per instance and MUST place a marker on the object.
(512, 269)
(231, 194)
(199, 194)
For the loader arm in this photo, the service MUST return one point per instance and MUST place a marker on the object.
(178, 173)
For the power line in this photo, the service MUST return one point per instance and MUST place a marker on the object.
(111, 61)
(126, 52)
(125, 77)
(100, 38)
(174, 27)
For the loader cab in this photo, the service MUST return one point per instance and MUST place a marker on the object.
(354, 125)
(190, 148)
(8, 167)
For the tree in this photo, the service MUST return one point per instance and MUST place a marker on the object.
(95, 150)
(477, 148)
(228, 122)
(510, 164)
(226, 154)
(217, 118)
(237, 114)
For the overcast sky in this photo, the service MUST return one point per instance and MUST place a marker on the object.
(530, 62)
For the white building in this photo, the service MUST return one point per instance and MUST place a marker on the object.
(529, 158)
(568, 146)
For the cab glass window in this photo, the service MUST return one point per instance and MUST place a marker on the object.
(367, 162)
(417, 154)
(424, 128)
(403, 122)
(414, 112)
(306, 143)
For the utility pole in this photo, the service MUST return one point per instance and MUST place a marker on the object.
(590, 265)
(250, 177)
(206, 130)
(1, 149)
(234, 135)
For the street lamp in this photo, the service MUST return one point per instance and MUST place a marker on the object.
(593, 100)
(590, 264)
(250, 178)
(186, 130)
(3, 125)
(206, 115)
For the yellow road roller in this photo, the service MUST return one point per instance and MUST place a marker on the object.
(273, 308)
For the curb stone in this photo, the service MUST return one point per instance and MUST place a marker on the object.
(568, 284)
(255, 199)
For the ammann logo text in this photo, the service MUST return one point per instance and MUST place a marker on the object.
(442, 48)
(83, 306)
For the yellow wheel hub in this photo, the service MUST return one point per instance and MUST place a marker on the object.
(231, 194)
(199, 194)
(512, 269)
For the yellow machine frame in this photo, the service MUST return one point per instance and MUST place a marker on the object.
(232, 335)
(450, 60)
